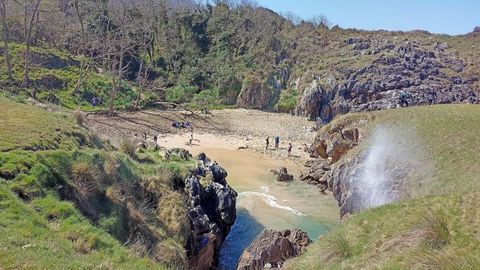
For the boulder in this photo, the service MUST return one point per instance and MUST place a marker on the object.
(282, 175)
(271, 248)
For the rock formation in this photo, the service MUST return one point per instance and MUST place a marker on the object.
(424, 72)
(212, 212)
(271, 248)
(282, 175)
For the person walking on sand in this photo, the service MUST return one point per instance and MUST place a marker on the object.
(277, 142)
(289, 148)
(191, 139)
(267, 143)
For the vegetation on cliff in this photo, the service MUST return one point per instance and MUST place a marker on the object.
(68, 200)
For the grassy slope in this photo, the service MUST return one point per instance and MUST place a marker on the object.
(394, 236)
(44, 232)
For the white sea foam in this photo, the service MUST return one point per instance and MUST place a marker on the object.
(270, 200)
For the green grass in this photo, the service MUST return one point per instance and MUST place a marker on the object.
(73, 204)
(27, 127)
(439, 227)
(49, 234)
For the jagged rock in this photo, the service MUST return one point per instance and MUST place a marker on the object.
(378, 84)
(282, 175)
(271, 248)
(211, 211)
(315, 175)
(337, 148)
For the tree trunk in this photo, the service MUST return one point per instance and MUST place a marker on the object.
(3, 17)
(28, 35)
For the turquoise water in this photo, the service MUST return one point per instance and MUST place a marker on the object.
(264, 203)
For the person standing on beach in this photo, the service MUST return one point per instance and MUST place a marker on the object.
(191, 138)
(289, 148)
(267, 143)
(277, 142)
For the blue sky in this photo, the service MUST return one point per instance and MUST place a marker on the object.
(440, 16)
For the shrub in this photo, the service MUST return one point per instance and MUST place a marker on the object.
(435, 227)
(180, 94)
(206, 99)
(287, 102)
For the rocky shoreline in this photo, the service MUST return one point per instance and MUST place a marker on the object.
(211, 211)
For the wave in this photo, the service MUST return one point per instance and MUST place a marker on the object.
(271, 201)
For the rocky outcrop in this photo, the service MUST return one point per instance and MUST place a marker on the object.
(260, 93)
(423, 72)
(282, 175)
(316, 174)
(176, 154)
(334, 144)
(211, 211)
(271, 248)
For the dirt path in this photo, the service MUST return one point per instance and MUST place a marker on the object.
(233, 128)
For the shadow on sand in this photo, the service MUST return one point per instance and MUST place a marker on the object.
(245, 229)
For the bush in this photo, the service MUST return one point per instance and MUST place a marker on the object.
(435, 227)
(206, 99)
(287, 102)
(180, 94)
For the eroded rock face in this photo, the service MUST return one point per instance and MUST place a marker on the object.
(271, 248)
(260, 92)
(212, 212)
(423, 72)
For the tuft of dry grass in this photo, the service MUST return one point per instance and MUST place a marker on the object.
(171, 210)
(140, 247)
(171, 255)
(116, 194)
(85, 178)
(445, 260)
(79, 117)
(128, 147)
(435, 228)
(340, 247)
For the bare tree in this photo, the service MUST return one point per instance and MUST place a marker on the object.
(3, 18)
(292, 17)
(320, 21)
(81, 8)
(118, 44)
(30, 14)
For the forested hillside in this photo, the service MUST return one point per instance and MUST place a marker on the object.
(136, 53)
